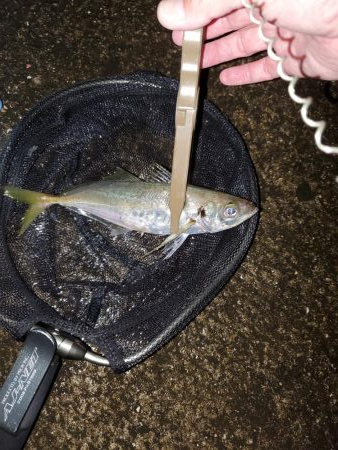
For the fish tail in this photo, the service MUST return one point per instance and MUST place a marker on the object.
(37, 202)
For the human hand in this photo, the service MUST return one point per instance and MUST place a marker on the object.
(306, 32)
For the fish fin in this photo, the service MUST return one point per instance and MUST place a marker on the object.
(170, 248)
(155, 174)
(37, 202)
(121, 175)
(174, 240)
(158, 174)
(115, 229)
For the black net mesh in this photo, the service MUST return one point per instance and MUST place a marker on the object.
(70, 272)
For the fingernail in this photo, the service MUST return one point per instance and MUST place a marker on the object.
(170, 12)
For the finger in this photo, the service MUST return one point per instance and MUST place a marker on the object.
(177, 37)
(262, 70)
(231, 22)
(266, 68)
(235, 20)
(238, 44)
(190, 14)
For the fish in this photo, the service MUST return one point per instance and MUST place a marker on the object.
(127, 203)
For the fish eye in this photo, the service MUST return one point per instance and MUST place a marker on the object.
(230, 211)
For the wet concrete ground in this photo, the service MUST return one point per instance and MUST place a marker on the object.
(258, 368)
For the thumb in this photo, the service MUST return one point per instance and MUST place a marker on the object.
(190, 14)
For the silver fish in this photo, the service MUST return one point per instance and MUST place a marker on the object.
(126, 203)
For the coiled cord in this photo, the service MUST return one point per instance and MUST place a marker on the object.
(306, 102)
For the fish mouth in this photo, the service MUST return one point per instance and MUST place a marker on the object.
(249, 209)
